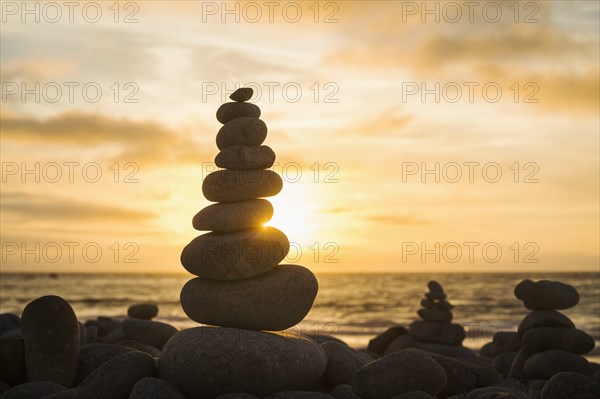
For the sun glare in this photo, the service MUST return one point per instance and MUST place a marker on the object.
(294, 214)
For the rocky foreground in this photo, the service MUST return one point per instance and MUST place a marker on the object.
(47, 353)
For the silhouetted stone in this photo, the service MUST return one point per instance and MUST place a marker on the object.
(543, 318)
(505, 341)
(241, 185)
(205, 362)
(242, 94)
(92, 356)
(154, 388)
(516, 369)
(234, 216)
(455, 351)
(409, 370)
(496, 392)
(65, 394)
(230, 111)
(567, 339)
(3, 387)
(237, 396)
(545, 294)
(242, 131)
(51, 338)
(236, 255)
(571, 385)
(148, 332)
(12, 360)
(342, 363)
(245, 157)
(300, 395)
(274, 301)
(145, 311)
(383, 340)
(544, 365)
(503, 362)
(449, 334)
(434, 286)
(129, 343)
(344, 391)
(33, 390)
(8, 322)
(436, 315)
(414, 395)
(464, 375)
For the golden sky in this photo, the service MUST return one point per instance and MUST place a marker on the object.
(108, 127)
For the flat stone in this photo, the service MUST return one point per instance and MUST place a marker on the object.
(230, 111)
(151, 350)
(427, 331)
(545, 294)
(205, 362)
(344, 391)
(427, 303)
(571, 385)
(245, 157)
(464, 375)
(405, 371)
(544, 365)
(154, 388)
(116, 378)
(33, 390)
(148, 332)
(144, 311)
(454, 351)
(275, 300)
(12, 360)
(9, 321)
(434, 286)
(233, 216)
(241, 185)
(242, 94)
(382, 341)
(503, 362)
(236, 255)
(505, 341)
(242, 131)
(437, 315)
(517, 368)
(92, 356)
(543, 318)
(436, 296)
(342, 363)
(51, 338)
(567, 339)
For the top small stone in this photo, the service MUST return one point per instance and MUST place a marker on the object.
(242, 94)
(546, 294)
(434, 286)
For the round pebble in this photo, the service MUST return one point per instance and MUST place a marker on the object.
(233, 216)
(230, 111)
(436, 315)
(242, 94)
(12, 360)
(382, 341)
(344, 391)
(342, 362)
(33, 390)
(145, 311)
(464, 375)
(427, 331)
(92, 356)
(148, 332)
(241, 185)
(242, 131)
(543, 318)
(546, 294)
(237, 255)
(567, 339)
(544, 365)
(245, 157)
(571, 385)
(503, 362)
(434, 286)
(154, 388)
(8, 322)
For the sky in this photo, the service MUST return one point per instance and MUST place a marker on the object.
(411, 136)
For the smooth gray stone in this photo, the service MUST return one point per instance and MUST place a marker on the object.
(135, 345)
(274, 301)
(409, 370)
(487, 350)
(205, 362)
(545, 294)
(237, 396)
(105, 325)
(464, 375)
(51, 338)
(503, 362)
(234, 216)
(66, 394)
(544, 365)
(435, 296)
(116, 378)
(300, 395)
(148, 332)
(516, 370)
(543, 318)
(382, 341)
(154, 388)
(91, 334)
(230, 111)
(241, 185)
(344, 391)
(145, 311)
(414, 395)
(242, 94)
(92, 356)
(496, 392)
(571, 385)
(454, 351)
(33, 390)
(434, 286)
(342, 362)
(535, 387)
(245, 157)
(435, 315)
(399, 344)
(242, 131)
(441, 333)
(12, 360)
(236, 255)
(9, 321)
(505, 341)
(567, 339)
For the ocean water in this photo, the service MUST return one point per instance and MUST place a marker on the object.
(351, 307)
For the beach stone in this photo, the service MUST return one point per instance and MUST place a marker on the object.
(435, 315)
(571, 385)
(144, 311)
(12, 360)
(116, 378)
(344, 391)
(413, 395)
(236, 255)
(147, 332)
(241, 185)
(105, 325)
(400, 372)
(543, 318)
(237, 396)
(151, 350)
(300, 395)
(567, 339)
(205, 362)
(91, 334)
(154, 388)
(65, 394)
(230, 111)
(544, 365)
(434, 286)
(242, 94)
(399, 344)
(242, 131)
(464, 375)
(245, 157)
(3, 387)
(33, 390)
(450, 334)
(496, 393)
(517, 368)
(342, 362)
(92, 356)
(435, 296)
(535, 387)
(546, 294)
(234, 216)
(487, 350)
(8, 322)
(455, 351)
(505, 341)
(427, 303)
(383, 340)
(51, 338)
(512, 384)
(275, 300)
(503, 362)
